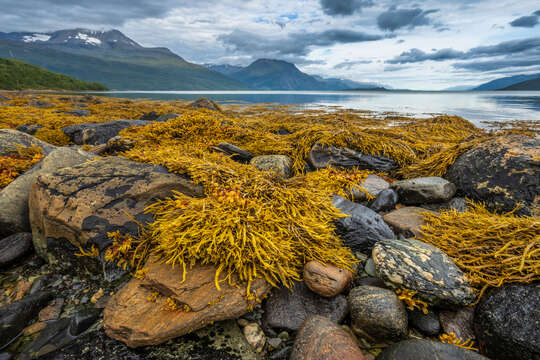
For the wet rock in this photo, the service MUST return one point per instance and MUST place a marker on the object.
(369, 268)
(287, 309)
(132, 319)
(93, 134)
(501, 172)
(507, 322)
(167, 117)
(414, 265)
(321, 156)
(150, 116)
(255, 336)
(14, 247)
(281, 164)
(424, 190)
(363, 228)
(377, 314)
(428, 324)
(51, 311)
(325, 279)
(406, 221)
(204, 103)
(459, 322)
(42, 104)
(419, 349)
(9, 139)
(386, 200)
(29, 129)
(321, 339)
(373, 185)
(237, 154)
(16, 316)
(77, 206)
(14, 197)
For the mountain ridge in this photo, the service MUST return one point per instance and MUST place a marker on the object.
(501, 83)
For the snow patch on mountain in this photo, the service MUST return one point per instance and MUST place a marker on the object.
(36, 37)
(88, 39)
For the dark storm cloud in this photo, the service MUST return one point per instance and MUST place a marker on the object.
(297, 44)
(344, 7)
(497, 64)
(395, 18)
(530, 45)
(525, 21)
(537, 13)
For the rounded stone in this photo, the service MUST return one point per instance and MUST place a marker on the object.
(386, 200)
(428, 324)
(325, 279)
(281, 164)
(419, 349)
(424, 190)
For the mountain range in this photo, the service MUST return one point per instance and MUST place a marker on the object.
(508, 83)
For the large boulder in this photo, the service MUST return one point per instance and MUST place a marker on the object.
(424, 190)
(14, 197)
(322, 156)
(420, 349)
(137, 321)
(507, 322)
(10, 139)
(77, 206)
(94, 134)
(321, 339)
(288, 308)
(362, 228)
(501, 172)
(414, 265)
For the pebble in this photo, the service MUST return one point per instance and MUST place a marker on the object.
(325, 279)
(255, 336)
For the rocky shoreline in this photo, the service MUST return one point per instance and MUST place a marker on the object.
(80, 206)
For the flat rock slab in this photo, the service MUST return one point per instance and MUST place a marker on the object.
(100, 133)
(424, 190)
(131, 318)
(322, 156)
(406, 221)
(501, 172)
(14, 212)
(363, 228)
(289, 308)
(14, 247)
(322, 339)
(9, 139)
(414, 265)
(419, 349)
(507, 322)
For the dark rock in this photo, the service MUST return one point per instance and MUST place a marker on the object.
(204, 103)
(5, 356)
(459, 322)
(167, 117)
(151, 116)
(424, 190)
(321, 156)
(363, 228)
(369, 281)
(507, 322)
(428, 324)
(419, 349)
(9, 139)
(386, 200)
(16, 316)
(238, 154)
(501, 172)
(42, 104)
(414, 265)
(322, 339)
(14, 197)
(281, 132)
(79, 113)
(14, 247)
(377, 314)
(287, 309)
(29, 129)
(93, 134)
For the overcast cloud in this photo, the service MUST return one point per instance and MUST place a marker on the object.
(432, 43)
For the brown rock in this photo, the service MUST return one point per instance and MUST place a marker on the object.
(321, 339)
(407, 220)
(34, 328)
(255, 336)
(458, 322)
(131, 316)
(325, 279)
(204, 103)
(22, 288)
(52, 311)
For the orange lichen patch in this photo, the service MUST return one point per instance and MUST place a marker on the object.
(17, 162)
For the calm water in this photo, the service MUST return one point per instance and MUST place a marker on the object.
(477, 107)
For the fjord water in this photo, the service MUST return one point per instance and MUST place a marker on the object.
(477, 107)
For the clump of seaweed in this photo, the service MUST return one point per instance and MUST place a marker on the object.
(18, 161)
(491, 248)
(407, 296)
(452, 339)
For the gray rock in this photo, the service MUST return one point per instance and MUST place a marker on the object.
(501, 172)
(29, 129)
(386, 200)
(377, 314)
(373, 185)
(14, 197)
(78, 112)
(42, 104)
(419, 349)
(321, 156)
(16, 316)
(281, 164)
(14, 247)
(287, 309)
(167, 117)
(428, 324)
(424, 190)
(237, 154)
(369, 268)
(414, 265)
(507, 322)
(9, 139)
(94, 134)
(151, 116)
(459, 322)
(363, 228)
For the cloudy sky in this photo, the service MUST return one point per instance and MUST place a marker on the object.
(432, 44)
